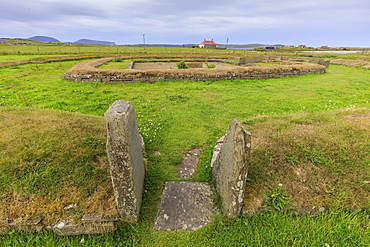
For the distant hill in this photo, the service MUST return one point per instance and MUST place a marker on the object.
(43, 38)
(251, 45)
(240, 46)
(94, 42)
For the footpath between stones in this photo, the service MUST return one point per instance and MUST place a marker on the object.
(189, 205)
(185, 205)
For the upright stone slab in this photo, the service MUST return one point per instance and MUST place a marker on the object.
(230, 167)
(125, 159)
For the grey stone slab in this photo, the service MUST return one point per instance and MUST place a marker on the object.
(184, 205)
(188, 166)
(95, 219)
(124, 152)
(70, 228)
(230, 167)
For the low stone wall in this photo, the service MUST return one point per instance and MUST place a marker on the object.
(256, 59)
(193, 63)
(88, 72)
(185, 77)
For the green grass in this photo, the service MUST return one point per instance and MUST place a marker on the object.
(15, 57)
(302, 138)
(332, 228)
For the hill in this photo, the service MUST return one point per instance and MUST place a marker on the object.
(43, 38)
(94, 42)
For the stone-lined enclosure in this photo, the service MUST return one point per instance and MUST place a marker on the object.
(89, 71)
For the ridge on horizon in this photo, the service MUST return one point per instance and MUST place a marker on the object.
(221, 45)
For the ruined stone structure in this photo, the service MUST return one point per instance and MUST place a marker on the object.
(230, 167)
(125, 158)
(320, 61)
(88, 71)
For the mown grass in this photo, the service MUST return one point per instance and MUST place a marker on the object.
(302, 139)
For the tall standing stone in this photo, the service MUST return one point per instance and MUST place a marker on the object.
(230, 167)
(125, 158)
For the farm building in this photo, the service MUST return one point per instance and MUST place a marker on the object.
(208, 44)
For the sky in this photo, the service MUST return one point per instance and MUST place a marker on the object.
(315, 23)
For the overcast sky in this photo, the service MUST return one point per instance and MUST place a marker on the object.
(289, 22)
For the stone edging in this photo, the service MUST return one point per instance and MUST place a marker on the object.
(87, 225)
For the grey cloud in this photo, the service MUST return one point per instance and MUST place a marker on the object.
(178, 21)
(18, 10)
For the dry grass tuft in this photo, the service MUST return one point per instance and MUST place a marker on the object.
(352, 63)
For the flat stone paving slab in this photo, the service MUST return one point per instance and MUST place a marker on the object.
(189, 165)
(185, 205)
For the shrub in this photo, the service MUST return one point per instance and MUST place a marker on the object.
(210, 66)
(277, 199)
(118, 59)
(182, 65)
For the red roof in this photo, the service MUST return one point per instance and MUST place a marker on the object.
(208, 42)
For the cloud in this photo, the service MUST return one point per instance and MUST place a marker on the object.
(178, 21)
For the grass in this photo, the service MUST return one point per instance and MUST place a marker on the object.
(44, 162)
(310, 133)
(332, 228)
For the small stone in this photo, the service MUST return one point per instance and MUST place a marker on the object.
(73, 205)
(60, 225)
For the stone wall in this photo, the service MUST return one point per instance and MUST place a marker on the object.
(320, 61)
(255, 59)
(230, 75)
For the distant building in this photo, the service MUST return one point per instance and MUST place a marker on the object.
(302, 46)
(208, 44)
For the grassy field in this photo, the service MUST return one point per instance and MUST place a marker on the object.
(309, 133)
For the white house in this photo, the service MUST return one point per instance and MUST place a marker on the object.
(208, 44)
